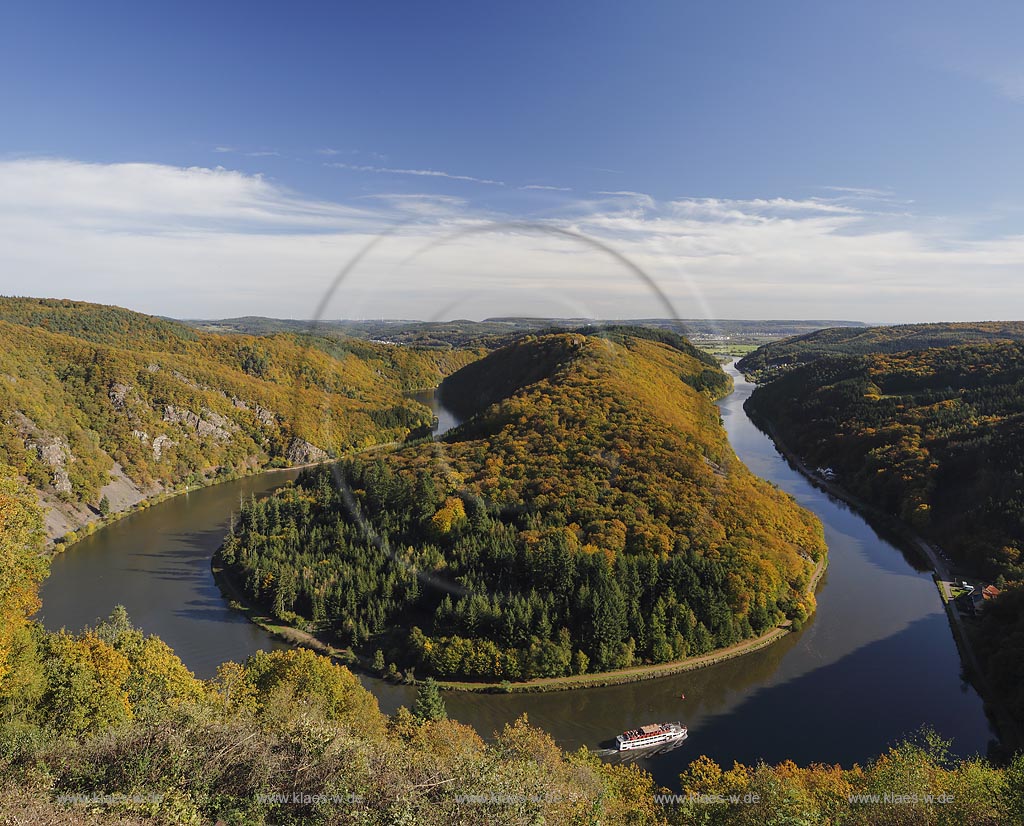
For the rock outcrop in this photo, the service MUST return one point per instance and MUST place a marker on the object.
(207, 424)
(159, 443)
(301, 452)
(55, 452)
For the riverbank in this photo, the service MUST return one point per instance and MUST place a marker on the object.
(295, 636)
(237, 601)
(1009, 732)
(60, 544)
(157, 564)
(638, 673)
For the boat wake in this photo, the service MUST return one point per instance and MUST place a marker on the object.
(633, 756)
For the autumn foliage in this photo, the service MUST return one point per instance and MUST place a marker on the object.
(589, 515)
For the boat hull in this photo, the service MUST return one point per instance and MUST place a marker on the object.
(631, 742)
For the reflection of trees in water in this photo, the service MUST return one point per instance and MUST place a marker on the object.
(886, 528)
(595, 715)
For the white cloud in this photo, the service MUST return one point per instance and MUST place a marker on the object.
(201, 242)
(548, 188)
(763, 208)
(156, 198)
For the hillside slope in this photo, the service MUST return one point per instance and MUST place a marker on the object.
(101, 407)
(589, 515)
(935, 438)
(771, 360)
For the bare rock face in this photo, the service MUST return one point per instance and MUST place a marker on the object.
(55, 452)
(125, 398)
(180, 415)
(61, 481)
(266, 417)
(217, 420)
(141, 435)
(301, 452)
(159, 443)
(121, 492)
(119, 395)
(204, 428)
(207, 424)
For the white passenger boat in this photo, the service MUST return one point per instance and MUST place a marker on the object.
(651, 735)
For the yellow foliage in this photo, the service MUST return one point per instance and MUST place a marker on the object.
(450, 514)
(22, 566)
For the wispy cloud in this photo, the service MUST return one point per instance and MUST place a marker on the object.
(861, 191)
(758, 208)
(215, 242)
(421, 205)
(639, 197)
(156, 198)
(424, 173)
(547, 188)
(254, 153)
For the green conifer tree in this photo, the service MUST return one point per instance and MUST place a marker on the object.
(429, 704)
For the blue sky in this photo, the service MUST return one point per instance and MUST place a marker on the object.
(796, 159)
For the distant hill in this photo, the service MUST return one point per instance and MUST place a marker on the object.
(777, 357)
(497, 332)
(589, 515)
(101, 407)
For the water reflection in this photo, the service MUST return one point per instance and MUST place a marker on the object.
(446, 419)
(875, 662)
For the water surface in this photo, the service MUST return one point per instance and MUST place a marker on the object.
(876, 662)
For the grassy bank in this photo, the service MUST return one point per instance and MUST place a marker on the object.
(638, 673)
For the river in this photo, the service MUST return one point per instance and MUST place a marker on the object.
(875, 663)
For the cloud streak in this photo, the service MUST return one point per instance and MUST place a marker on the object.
(423, 173)
(546, 188)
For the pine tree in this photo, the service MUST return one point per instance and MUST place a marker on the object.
(429, 704)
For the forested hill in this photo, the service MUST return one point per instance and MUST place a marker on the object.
(532, 359)
(492, 333)
(775, 358)
(936, 438)
(101, 407)
(590, 515)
